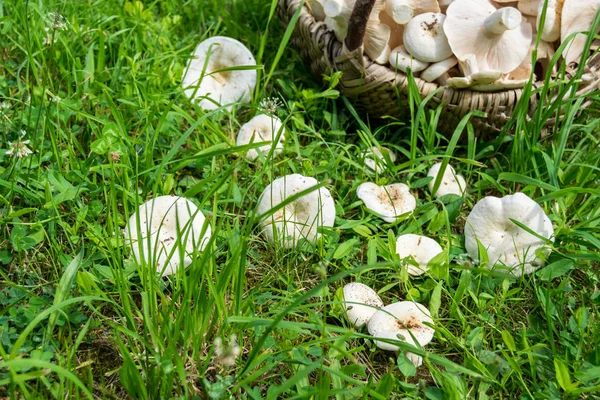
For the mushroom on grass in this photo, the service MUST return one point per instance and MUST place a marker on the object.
(421, 249)
(299, 219)
(165, 232)
(262, 128)
(377, 159)
(451, 182)
(360, 303)
(388, 202)
(211, 77)
(404, 321)
(490, 225)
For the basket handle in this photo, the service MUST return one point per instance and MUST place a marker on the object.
(357, 25)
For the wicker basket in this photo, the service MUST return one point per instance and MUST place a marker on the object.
(381, 91)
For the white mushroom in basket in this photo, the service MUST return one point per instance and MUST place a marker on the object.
(377, 37)
(402, 11)
(528, 7)
(577, 16)
(551, 29)
(472, 75)
(439, 71)
(424, 38)
(498, 39)
(544, 54)
(401, 60)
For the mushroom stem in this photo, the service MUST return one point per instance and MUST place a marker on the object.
(505, 19)
(399, 11)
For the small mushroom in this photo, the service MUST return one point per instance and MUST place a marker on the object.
(401, 60)
(421, 249)
(377, 37)
(208, 78)
(551, 29)
(498, 39)
(360, 303)
(377, 159)
(299, 219)
(405, 321)
(577, 16)
(388, 202)
(451, 182)
(544, 55)
(165, 232)
(439, 70)
(424, 38)
(261, 128)
(490, 223)
(529, 7)
(402, 11)
(472, 75)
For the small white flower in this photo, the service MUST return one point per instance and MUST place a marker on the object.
(226, 355)
(270, 104)
(4, 105)
(19, 149)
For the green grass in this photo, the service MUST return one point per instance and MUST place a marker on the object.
(109, 127)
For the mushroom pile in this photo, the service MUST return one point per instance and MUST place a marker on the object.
(482, 45)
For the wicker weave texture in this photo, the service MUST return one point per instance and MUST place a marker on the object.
(381, 91)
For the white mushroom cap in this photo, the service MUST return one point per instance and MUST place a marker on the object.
(424, 38)
(506, 243)
(577, 16)
(402, 11)
(376, 41)
(261, 128)
(499, 39)
(219, 88)
(451, 182)
(551, 29)
(544, 54)
(376, 159)
(400, 59)
(529, 7)
(421, 248)
(300, 218)
(168, 225)
(434, 71)
(402, 321)
(389, 202)
(360, 303)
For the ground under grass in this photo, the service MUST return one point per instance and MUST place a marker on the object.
(94, 87)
